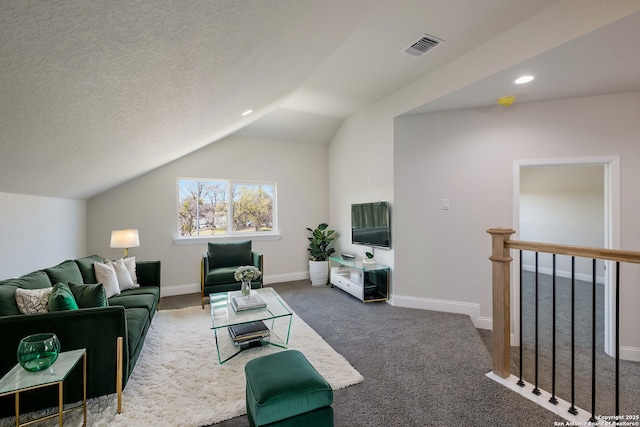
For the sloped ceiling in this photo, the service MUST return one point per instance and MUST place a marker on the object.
(97, 93)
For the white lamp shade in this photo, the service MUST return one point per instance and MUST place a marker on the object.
(127, 238)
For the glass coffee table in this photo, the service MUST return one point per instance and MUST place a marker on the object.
(276, 316)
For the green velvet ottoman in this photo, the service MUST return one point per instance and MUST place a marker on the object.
(283, 389)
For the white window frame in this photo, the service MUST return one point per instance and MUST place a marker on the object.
(229, 236)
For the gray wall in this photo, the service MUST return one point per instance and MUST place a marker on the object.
(38, 232)
(361, 170)
(468, 156)
(565, 205)
(149, 203)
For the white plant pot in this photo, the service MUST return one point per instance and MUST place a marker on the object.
(319, 272)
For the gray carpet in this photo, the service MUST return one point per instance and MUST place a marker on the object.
(421, 368)
(605, 365)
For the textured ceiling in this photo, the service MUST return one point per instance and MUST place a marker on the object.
(97, 93)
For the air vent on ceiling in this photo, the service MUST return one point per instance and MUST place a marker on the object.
(423, 45)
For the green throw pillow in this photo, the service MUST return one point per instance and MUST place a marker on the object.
(87, 296)
(61, 298)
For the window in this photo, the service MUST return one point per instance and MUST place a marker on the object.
(219, 207)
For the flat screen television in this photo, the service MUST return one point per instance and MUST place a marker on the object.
(371, 224)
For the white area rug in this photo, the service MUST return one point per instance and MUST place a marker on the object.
(179, 382)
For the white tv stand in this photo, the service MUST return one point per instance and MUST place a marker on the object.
(367, 282)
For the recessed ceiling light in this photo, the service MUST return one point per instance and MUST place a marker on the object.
(246, 113)
(523, 79)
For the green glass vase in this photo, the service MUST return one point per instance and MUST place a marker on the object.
(38, 352)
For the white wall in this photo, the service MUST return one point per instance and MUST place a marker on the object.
(364, 146)
(361, 160)
(565, 205)
(39, 232)
(149, 203)
(468, 156)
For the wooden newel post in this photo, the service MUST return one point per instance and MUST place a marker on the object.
(501, 262)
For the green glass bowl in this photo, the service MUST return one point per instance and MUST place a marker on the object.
(38, 352)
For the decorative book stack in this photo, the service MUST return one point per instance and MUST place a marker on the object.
(246, 333)
(249, 302)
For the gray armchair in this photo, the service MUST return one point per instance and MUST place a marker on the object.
(219, 264)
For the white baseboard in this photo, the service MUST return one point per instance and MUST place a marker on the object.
(630, 353)
(287, 277)
(170, 291)
(192, 288)
(470, 309)
(484, 323)
(562, 273)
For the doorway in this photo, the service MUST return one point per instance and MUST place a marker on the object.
(573, 202)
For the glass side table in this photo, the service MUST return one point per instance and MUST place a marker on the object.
(18, 380)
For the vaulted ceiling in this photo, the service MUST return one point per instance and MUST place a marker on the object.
(96, 93)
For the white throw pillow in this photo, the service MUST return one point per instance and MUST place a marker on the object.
(106, 275)
(125, 280)
(131, 266)
(33, 301)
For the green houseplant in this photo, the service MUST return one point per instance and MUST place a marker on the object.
(319, 253)
(319, 242)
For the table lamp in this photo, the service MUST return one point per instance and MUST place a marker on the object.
(126, 239)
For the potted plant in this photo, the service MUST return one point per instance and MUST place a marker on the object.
(319, 253)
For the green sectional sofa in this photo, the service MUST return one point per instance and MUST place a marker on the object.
(97, 324)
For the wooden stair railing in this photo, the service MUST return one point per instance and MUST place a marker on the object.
(501, 262)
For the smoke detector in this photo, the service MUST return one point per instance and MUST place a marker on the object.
(423, 45)
(506, 100)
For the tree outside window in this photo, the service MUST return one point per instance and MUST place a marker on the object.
(205, 207)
